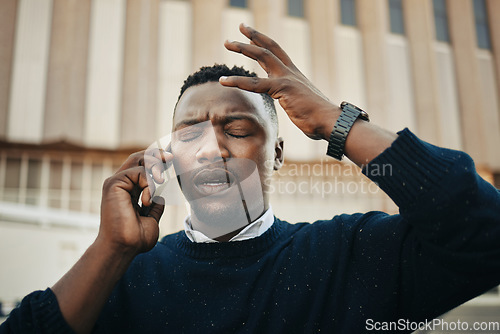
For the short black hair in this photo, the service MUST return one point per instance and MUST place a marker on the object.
(213, 73)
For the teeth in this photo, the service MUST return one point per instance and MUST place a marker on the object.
(213, 182)
(212, 188)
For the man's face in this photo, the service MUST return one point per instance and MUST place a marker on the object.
(224, 148)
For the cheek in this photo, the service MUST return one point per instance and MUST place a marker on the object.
(254, 149)
(265, 160)
(183, 159)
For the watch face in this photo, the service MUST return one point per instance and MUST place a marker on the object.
(362, 114)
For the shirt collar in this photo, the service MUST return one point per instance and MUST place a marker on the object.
(255, 229)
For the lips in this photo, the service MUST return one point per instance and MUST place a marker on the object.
(212, 181)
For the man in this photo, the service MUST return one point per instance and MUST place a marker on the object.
(340, 275)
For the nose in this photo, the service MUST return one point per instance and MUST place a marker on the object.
(212, 149)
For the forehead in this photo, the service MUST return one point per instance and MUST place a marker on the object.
(213, 101)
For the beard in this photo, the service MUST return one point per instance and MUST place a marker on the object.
(216, 219)
(237, 205)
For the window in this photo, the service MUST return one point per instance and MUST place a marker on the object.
(296, 8)
(34, 181)
(76, 186)
(482, 29)
(396, 17)
(58, 181)
(441, 20)
(55, 183)
(348, 12)
(97, 176)
(238, 3)
(12, 179)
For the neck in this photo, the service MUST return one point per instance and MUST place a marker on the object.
(223, 228)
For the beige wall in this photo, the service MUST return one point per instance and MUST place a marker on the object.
(140, 71)
(468, 78)
(67, 71)
(174, 59)
(104, 74)
(449, 112)
(29, 71)
(400, 105)
(372, 16)
(207, 35)
(419, 27)
(8, 10)
(37, 257)
(494, 21)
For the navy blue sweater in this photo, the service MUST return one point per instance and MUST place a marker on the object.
(337, 275)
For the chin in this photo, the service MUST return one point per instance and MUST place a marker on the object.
(218, 212)
(216, 218)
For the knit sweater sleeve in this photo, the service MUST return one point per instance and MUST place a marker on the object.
(38, 313)
(448, 230)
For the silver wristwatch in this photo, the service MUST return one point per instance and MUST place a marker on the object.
(336, 143)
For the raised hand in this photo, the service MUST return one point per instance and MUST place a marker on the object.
(307, 107)
(126, 230)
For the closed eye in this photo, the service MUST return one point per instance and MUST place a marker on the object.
(236, 135)
(190, 136)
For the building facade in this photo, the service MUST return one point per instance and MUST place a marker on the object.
(84, 83)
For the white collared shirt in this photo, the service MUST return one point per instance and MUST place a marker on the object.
(255, 229)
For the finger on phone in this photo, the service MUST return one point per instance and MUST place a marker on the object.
(156, 161)
(151, 183)
(146, 197)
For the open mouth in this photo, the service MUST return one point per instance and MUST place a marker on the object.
(212, 181)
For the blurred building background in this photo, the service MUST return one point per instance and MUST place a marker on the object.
(84, 83)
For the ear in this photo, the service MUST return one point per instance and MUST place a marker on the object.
(278, 153)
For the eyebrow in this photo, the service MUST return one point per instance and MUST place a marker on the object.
(188, 122)
(242, 116)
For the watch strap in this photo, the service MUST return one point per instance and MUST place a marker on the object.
(336, 143)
